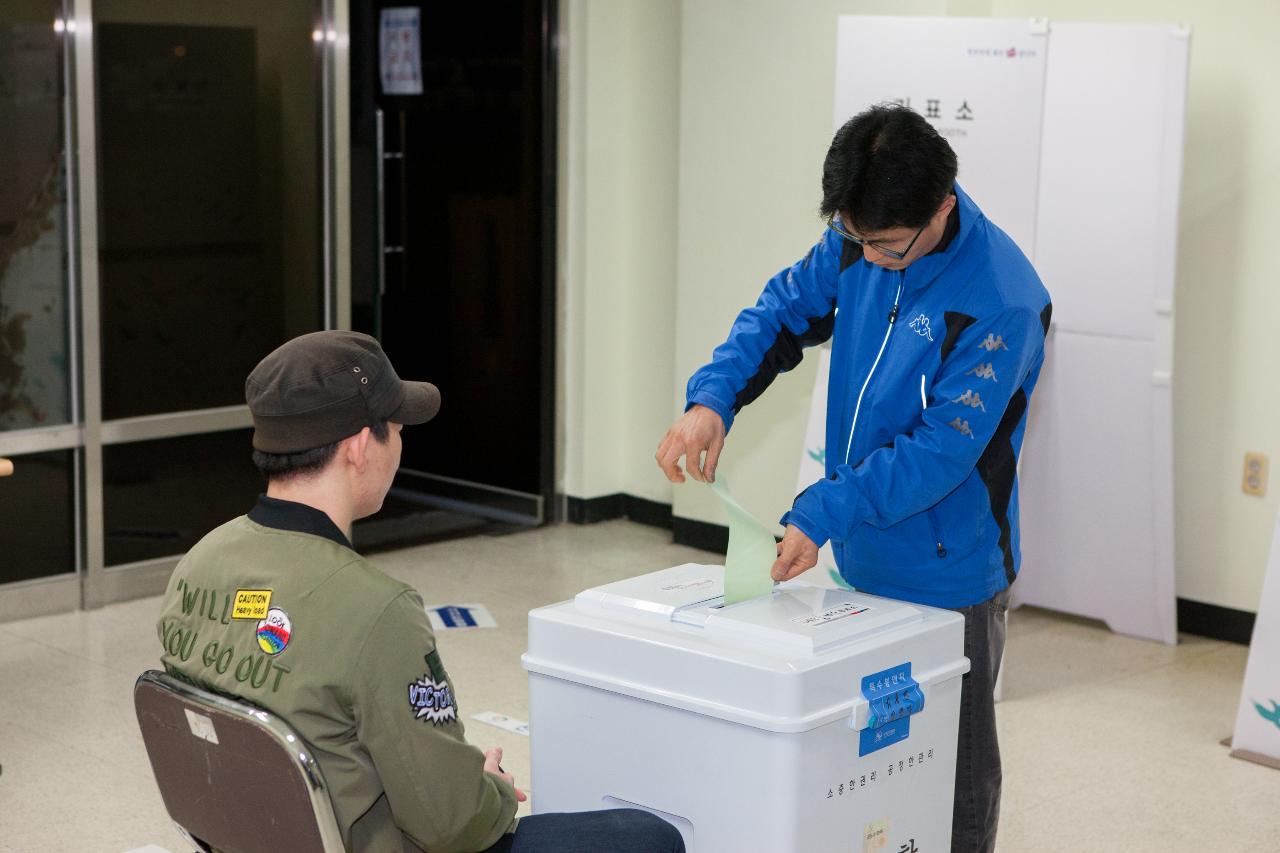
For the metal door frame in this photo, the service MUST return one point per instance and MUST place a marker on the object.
(93, 583)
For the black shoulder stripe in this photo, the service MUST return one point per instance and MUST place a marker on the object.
(850, 253)
(784, 354)
(1045, 316)
(956, 323)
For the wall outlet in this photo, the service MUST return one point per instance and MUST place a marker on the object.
(1255, 474)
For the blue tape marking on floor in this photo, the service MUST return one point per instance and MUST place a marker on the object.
(456, 617)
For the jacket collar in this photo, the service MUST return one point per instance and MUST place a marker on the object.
(926, 269)
(299, 518)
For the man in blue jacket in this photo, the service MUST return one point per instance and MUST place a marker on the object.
(938, 323)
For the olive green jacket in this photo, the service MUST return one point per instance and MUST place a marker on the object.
(309, 630)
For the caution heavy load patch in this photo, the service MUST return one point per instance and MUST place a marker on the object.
(251, 604)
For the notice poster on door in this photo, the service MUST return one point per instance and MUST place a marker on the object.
(1257, 734)
(400, 51)
(979, 82)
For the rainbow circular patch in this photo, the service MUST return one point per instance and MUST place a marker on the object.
(274, 631)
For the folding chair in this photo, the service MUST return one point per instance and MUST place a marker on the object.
(233, 777)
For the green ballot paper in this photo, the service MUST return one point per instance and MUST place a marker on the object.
(752, 551)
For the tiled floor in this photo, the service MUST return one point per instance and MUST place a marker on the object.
(1110, 743)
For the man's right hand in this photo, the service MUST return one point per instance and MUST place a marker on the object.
(493, 764)
(699, 430)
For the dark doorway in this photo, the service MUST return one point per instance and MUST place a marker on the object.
(453, 241)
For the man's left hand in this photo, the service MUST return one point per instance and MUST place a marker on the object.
(796, 554)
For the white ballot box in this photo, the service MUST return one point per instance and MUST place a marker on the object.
(809, 720)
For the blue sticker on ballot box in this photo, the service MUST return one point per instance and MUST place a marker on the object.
(893, 696)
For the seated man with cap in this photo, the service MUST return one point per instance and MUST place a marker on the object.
(277, 609)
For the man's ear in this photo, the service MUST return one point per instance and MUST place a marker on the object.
(356, 449)
(947, 203)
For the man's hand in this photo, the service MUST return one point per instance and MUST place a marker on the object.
(796, 554)
(493, 764)
(699, 430)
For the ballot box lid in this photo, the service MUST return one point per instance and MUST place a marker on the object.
(668, 636)
(796, 620)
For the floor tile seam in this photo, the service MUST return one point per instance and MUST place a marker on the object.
(1015, 630)
(48, 646)
(1147, 669)
(1034, 804)
(77, 753)
(104, 667)
(1165, 665)
(1021, 705)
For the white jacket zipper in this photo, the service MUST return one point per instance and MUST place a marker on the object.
(893, 318)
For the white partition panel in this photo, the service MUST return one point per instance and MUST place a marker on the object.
(1088, 521)
(1097, 476)
(979, 81)
(1109, 175)
(1257, 733)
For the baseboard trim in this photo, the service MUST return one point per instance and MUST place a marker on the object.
(700, 534)
(619, 505)
(1215, 622)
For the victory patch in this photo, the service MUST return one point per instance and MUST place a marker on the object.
(274, 631)
(430, 697)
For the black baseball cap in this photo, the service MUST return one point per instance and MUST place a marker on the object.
(326, 386)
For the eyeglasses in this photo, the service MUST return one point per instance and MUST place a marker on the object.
(834, 224)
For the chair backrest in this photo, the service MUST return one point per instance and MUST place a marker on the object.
(233, 776)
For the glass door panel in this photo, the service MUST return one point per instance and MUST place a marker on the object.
(38, 515)
(212, 250)
(211, 247)
(35, 358)
(162, 496)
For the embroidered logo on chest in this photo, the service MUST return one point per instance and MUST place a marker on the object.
(920, 325)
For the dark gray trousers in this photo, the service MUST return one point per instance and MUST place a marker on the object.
(977, 800)
(608, 831)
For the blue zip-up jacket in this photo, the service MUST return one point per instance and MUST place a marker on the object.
(932, 368)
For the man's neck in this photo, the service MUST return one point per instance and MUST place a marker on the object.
(932, 236)
(317, 494)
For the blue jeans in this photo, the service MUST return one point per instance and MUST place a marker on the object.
(611, 831)
(977, 800)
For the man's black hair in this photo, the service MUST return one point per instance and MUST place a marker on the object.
(887, 168)
(283, 466)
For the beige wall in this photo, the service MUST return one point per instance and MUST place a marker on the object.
(755, 90)
(618, 179)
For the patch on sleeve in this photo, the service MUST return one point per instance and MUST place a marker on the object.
(430, 696)
(275, 631)
(984, 371)
(993, 342)
(971, 399)
(251, 604)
